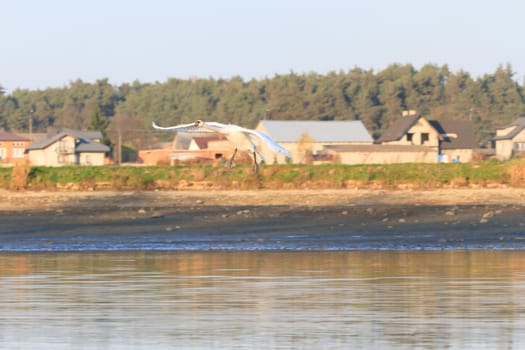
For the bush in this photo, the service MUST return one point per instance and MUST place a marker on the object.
(20, 176)
(516, 173)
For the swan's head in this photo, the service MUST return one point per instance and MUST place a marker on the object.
(198, 123)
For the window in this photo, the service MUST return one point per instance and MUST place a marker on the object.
(425, 137)
(519, 146)
(410, 136)
(62, 146)
(3, 153)
(18, 153)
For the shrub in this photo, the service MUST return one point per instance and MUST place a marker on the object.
(516, 173)
(20, 176)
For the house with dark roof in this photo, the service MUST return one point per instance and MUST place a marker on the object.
(69, 147)
(306, 139)
(413, 139)
(12, 148)
(510, 139)
(457, 141)
(450, 140)
(411, 130)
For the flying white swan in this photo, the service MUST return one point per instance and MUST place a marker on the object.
(239, 137)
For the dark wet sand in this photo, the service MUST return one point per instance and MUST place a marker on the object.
(265, 220)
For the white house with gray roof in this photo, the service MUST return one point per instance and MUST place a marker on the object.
(510, 139)
(69, 147)
(306, 138)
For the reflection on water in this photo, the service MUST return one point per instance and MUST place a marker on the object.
(245, 300)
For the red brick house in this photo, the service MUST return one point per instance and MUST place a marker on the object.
(12, 148)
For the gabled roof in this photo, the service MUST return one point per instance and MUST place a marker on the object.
(7, 136)
(455, 134)
(85, 134)
(86, 143)
(202, 142)
(183, 139)
(320, 131)
(518, 124)
(399, 128)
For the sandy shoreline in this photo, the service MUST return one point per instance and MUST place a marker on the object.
(36, 201)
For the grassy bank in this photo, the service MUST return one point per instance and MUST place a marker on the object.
(422, 176)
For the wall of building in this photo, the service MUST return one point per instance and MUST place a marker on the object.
(155, 156)
(43, 157)
(461, 155)
(12, 152)
(51, 156)
(505, 148)
(378, 157)
(301, 151)
(91, 158)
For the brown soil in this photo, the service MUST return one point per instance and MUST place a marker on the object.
(42, 201)
(269, 219)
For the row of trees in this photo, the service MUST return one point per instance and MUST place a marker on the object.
(376, 98)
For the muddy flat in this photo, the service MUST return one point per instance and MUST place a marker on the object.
(264, 220)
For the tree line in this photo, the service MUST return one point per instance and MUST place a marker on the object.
(376, 98)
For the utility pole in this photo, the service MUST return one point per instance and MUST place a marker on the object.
(119, 147)
(31, 125)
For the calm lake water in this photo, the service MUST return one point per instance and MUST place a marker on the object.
(263, 300)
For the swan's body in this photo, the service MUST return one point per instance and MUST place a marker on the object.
(241, 138)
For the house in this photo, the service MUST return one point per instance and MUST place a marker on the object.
(412, 139)
(451, 140)
(411, 130)
(457, 140)
(510, 139)
(69, 147)
(202, 148)
(305, 139)
(189, 147)
(12, 148)
(155, 155)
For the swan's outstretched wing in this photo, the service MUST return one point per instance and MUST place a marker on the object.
(229, 130)
(218, 127)
(181, 127)
(273, 145)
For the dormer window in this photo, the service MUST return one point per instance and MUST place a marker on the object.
(410, 137)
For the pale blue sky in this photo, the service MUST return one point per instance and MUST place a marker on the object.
(48, 43)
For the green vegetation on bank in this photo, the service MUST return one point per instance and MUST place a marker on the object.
(291, 176)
